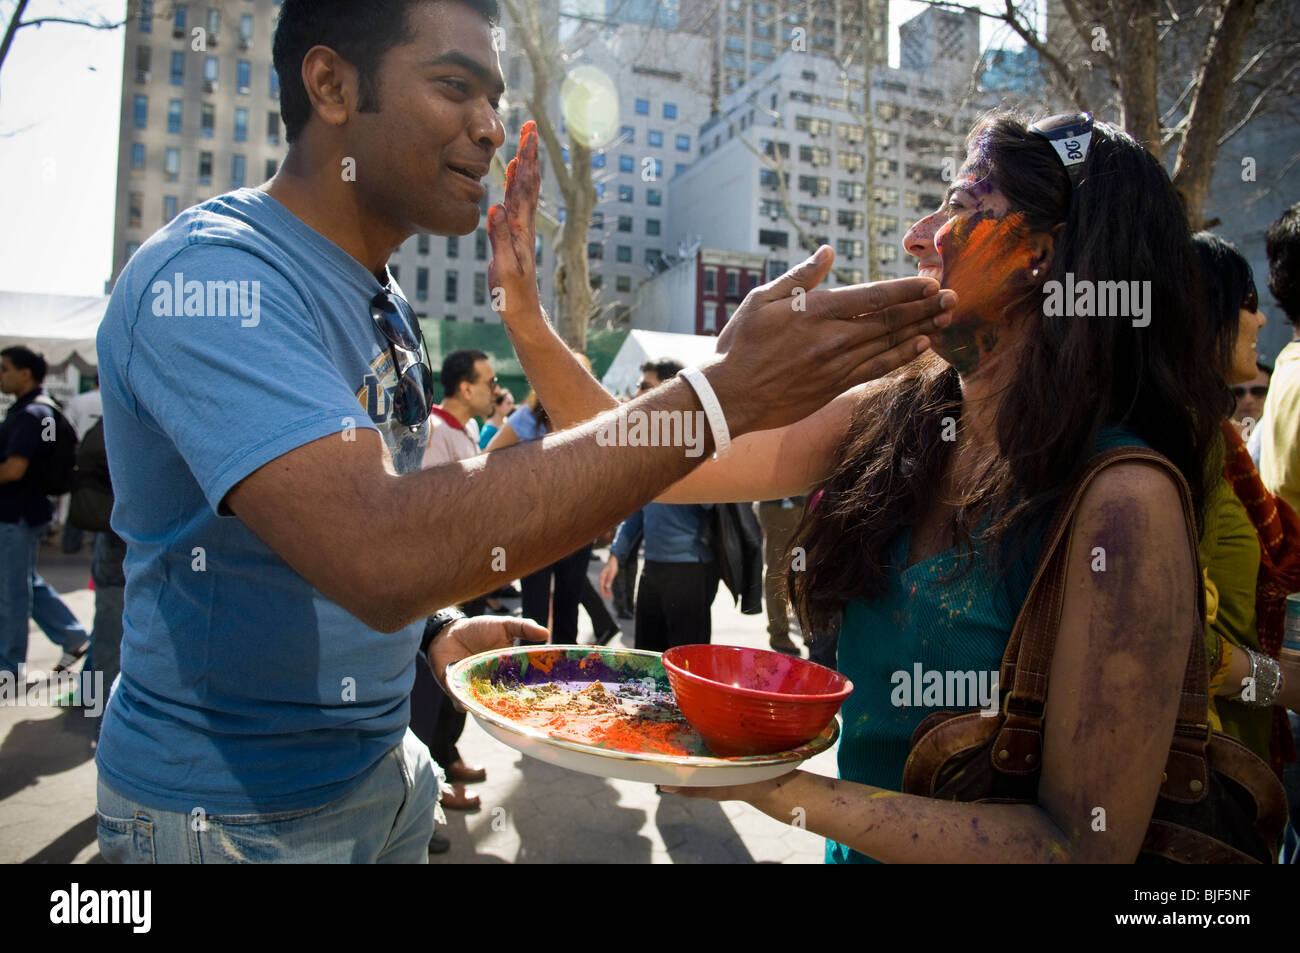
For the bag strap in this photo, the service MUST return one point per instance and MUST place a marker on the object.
(1028, 657)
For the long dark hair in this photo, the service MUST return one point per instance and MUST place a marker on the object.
(1228, 283)
(1073, 377)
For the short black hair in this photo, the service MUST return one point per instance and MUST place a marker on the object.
(1266, 368)
(1228, 285)
(361, 31)
(1282, 241)
(25, 359)
(665, 368)
(459, 366)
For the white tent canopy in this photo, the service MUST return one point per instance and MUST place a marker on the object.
(642, 346)
(59, 327)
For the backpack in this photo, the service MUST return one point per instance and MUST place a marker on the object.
(92, 490)
(54, 473)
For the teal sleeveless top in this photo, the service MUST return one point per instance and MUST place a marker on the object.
(904, 651)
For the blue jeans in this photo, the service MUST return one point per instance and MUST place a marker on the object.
(387, 820)
(25, 595)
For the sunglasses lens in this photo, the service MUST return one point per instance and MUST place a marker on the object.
(411, 398)
(394, 321)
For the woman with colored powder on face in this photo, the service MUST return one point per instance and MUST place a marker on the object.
(1250, 547)
(938, 481)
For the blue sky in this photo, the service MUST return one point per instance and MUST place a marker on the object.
(60, 96)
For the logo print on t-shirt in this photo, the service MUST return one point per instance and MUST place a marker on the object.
(406, 447)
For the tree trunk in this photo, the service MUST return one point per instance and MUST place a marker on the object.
(574, 297)
(1200, 141)
(1137, 62)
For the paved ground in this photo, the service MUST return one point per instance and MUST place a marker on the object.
(532, 812)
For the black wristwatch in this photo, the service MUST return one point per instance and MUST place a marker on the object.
(435, 624)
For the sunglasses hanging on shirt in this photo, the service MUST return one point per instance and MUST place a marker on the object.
(413, 395)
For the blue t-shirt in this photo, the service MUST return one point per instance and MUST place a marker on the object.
(243, 689)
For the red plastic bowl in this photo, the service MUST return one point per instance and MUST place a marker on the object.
(749, 701)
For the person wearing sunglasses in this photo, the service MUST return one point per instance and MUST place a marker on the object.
(266, 403)
(935, 483)
(1250, 396)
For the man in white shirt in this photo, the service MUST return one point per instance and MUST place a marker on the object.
(469, 387)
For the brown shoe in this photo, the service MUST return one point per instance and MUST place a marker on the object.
(460, 771)
(457, 800)
(784, 644)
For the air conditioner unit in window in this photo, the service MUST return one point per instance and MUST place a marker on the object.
(212, 40)
(209, 85)
(143, 76)
(245, 42)
(245, 90)
(178, 33)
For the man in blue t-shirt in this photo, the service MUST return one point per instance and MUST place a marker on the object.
(266, 402)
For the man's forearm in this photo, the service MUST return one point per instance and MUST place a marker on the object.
(550, 497)
(568, 392)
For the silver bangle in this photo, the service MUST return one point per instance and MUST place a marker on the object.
(1266, 676)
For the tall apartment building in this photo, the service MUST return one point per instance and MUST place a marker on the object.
(748, 35)
(941, 41)
(200, 111)
(798, 112)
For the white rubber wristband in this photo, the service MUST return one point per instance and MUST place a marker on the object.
(712, 410)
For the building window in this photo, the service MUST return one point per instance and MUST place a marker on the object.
(171, 205)
(238, 171)
(854, 161)
(643, 107)
(652, 226)
(595, 251)
(710, 281)
(178, 21)
(244, 77)
(205, 168)
(141, 112)
(449, 290)
(623, 284)
(135, 210)
(241, 125)
(272, 128)
(849, 248)
(422, 245)
(625, 223)
(480, 288)
(246, 32)
(625, 193)
(453, 246)
(658, 166)
(653, 257)
(272, 166)
(773, 239)
(627, 133)
(733, 284)
(174, 115)
(214, 21)
(146, 16)
(683, 143)
(679, 168)
(598, 161)
(207, 120)
(850, 219)
(625, 253)
(422, 284)
(655, 137)
(480, 245)
(670, 110)
(178, 69)
(143, 64)
(137, 155)
(654, 197)
(275, 83)
(171, 163)
(851, 190)
(626, 164)
(211, 72)
(597, 220)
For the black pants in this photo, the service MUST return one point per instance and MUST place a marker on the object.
(434, 719)
(569, 574)
(674, 605)
(601, 620)
(624, 585)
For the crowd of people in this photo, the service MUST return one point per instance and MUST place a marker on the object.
(964, 473)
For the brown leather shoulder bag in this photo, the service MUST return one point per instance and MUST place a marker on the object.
(1218, 803)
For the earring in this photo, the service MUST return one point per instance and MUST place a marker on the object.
(1035, 272)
